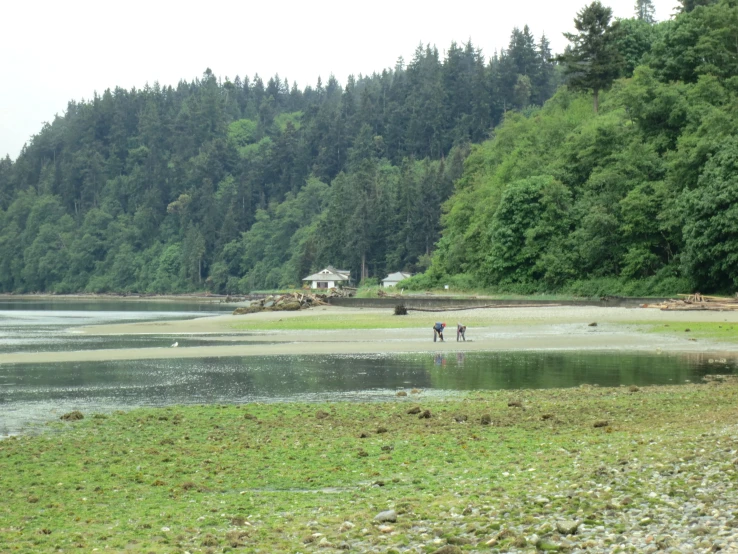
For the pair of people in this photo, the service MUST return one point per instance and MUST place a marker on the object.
(439, 327)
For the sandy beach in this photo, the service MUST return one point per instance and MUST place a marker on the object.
(495, 329)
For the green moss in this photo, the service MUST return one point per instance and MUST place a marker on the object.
(255, 476)
(723, 332)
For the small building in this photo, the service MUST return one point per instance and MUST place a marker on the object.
(393, 278)
(329, 278)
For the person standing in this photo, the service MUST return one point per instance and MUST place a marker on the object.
(460, 332)
(438, 331)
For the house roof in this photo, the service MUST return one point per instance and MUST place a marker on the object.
(330, 273)
(398, 276)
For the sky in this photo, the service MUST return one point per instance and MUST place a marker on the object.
(54, 52)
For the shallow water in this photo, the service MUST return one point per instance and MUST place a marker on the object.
(32, 394)
(50, 325)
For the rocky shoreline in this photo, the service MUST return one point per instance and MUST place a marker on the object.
(585, 470)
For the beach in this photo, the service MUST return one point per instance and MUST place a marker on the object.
(585, 468)
(334, 330)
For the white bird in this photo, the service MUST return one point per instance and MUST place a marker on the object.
(175, 345)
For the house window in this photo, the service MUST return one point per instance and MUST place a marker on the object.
(322, 284)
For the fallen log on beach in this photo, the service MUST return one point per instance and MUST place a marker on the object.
(697, 302)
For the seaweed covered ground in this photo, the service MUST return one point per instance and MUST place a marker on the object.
(577, 470)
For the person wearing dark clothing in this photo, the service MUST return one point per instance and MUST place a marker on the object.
(438, 331)
(460, 332)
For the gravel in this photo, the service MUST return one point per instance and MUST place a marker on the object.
(685, 506)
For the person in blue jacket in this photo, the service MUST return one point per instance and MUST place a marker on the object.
(438, 331)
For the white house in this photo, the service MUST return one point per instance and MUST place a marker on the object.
(329, 278)
(393, 278)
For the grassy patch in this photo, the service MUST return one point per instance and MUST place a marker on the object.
(722, 332)
(287, 477)
(371, 291)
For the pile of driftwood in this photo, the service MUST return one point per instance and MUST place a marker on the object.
(290, 302)
(697, 301)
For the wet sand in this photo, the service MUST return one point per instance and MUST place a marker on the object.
(539, 328)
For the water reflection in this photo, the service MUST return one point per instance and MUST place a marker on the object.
(515, 370)
(37, 393)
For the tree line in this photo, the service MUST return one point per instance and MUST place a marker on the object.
(243, 184)
(635, 196)
(609, 168)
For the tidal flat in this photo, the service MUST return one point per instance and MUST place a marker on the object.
(334, 330)
(627, 469)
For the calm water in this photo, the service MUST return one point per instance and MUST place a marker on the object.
(35, 393)
(50, 325)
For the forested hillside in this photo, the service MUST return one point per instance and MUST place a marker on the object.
(476, 169)
(236, 185)
(640, 197)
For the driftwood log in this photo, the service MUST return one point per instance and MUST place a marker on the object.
(697, 302)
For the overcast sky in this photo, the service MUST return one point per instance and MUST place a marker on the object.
(55, 51)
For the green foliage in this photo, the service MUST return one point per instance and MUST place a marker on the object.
(656, 286)
(592, 61)
(285, 119)
(369, 288)
(689, 5)
(636, 200)
(212, 184)
(242, 185)
(528, 225)
(421, 281)
(711, 222)
(644, 11)
(633, 40)
(243, 132)
(699, 41)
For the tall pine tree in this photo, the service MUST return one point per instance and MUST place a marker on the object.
(592, 61)
(644, 11)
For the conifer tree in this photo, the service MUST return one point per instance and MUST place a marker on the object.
(592, 61)
(689, 5)
(544, 81)
(644, 11)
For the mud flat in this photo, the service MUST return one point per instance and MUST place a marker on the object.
(333, 330)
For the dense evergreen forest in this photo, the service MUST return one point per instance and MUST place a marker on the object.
(608, 168)
(237, 185)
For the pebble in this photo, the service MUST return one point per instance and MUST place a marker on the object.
(567, 526)
(386, 528)
(388, 515)
(345, 526)
(674, 506)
